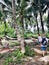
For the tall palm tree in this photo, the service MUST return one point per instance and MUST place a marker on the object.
(48, 19)
(35, 11)
(13, 11)
(41, 14)
(23, 10)
(47, 3)
(37, 22)
(19, 38)
(40, 5)
(19, 8)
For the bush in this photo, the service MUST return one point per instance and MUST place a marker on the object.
(9, 58)
(47, 35)
(35, 35)
(28, 35)
(9, 31)
(25, 36)
(2, 29)
(18, 54)
(28, 51)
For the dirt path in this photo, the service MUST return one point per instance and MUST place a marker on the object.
(32, 60)
(5, 50)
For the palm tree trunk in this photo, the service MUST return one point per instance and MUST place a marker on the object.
(22, 23)
(40, 11)
(41, 22)
(37, 25)
(48, 20)
(19, 38)
(21, 19)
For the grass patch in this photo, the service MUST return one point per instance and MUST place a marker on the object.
(14, 57)
(28, 51)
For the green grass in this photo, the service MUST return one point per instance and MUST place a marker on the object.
(15, 54)
(28, 51)
(29, 35)
(10, 32)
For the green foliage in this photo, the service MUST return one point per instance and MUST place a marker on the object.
(10, 31)
(28, 51)
(47, 35)
(35, 35)
(8, 60)
(15, 54)
(1, 28)
(18, 54)
(27, 34)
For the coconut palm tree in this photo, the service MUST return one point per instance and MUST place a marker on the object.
(23, 9)
(37, 22)
(19, 9)
(35, 11)
(41, 14)
(19, 38)
(40, 4)
(47, 8)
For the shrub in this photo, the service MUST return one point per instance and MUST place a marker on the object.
(9, 58)
(27, 35)
(18, 54)
(28, 51)
(9, 31)
(2, 29)
(47, 35)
